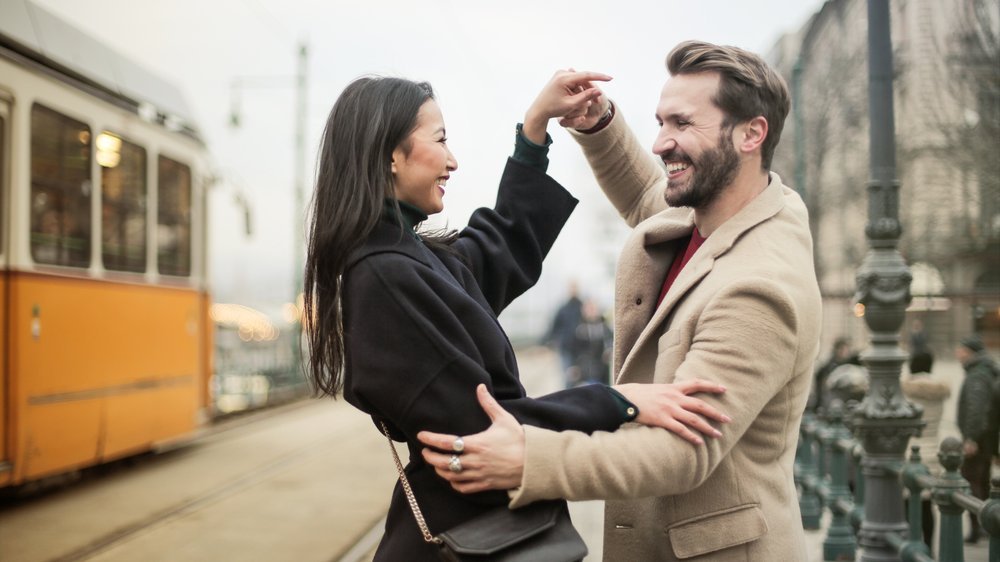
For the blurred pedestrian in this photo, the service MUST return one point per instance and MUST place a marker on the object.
(977, 419)
(591, 345)
(921, 354)
(404, 321)
(839, 355)
(929, 390)
(561, 332)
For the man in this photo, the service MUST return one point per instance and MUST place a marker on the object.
(977, 419)
(744, 311)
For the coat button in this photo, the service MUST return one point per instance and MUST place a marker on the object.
(638, 301)
(630, 411)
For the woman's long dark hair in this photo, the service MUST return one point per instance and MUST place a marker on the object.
(370, 119)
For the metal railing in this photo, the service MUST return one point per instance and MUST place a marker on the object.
(828, 461)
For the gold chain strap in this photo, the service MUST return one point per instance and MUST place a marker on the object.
(417, 514)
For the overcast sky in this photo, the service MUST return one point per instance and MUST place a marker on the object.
(486, 61)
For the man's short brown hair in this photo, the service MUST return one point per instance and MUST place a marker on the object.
(748, 86)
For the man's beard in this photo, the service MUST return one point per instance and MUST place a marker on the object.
(713, 171)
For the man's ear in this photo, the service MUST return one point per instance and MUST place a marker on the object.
(754, 133)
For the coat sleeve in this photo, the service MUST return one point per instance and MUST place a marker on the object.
(640, 461)
(630, 177)
(504, 246)
(414, 361)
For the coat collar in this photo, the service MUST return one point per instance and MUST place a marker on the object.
(674, 223)
(389, 237)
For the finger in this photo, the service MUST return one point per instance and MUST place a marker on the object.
(698, 423)
(587, 76)
(705, 409)
(440, 441)
(584, 97)
(489, 405)
(435, 459)
(471, 487)
(698, 385)
(683, 432)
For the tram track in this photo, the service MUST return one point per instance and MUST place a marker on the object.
(261, 486)
(247, 480)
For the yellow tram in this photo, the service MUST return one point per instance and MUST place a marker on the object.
(105, 337)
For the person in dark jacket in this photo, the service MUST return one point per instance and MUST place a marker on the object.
(840, 355)
(591, 345)
(977, 419)
(921, 354)
(562, 333)
(404, 322)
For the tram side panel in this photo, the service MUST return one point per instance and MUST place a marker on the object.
(105, 370)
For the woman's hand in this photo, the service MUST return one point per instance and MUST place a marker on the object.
(568, 96)
(671, 407)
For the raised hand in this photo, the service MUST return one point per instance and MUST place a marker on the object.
(672, 407)
(568, 95)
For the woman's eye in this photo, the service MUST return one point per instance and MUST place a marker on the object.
(443, 141)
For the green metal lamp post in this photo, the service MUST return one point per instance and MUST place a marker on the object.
(884, 421)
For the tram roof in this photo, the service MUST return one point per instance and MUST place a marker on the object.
(41, 36)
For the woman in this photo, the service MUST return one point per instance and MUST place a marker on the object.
(406, 323)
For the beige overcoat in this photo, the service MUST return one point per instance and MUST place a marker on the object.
(745, 312)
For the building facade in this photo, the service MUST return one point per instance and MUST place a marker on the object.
(947, 114)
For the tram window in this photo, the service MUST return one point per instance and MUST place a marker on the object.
(60, 189)
(173, 229)
(123, 203)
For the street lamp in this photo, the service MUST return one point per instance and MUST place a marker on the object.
(884, 421)
(300, 83)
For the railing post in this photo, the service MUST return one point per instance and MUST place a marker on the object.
(809, 505)
(989, 521)
(858, 513)
(914, 468)
(840, 543)
(950, 546)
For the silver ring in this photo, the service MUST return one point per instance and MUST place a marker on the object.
(458, 446)
(455, 464)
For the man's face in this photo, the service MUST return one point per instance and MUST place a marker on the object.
(696, 148)
(962, 353)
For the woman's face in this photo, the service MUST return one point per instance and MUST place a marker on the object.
(422, 174)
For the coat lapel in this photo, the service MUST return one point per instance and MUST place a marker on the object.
(670, 225)
(641, 269)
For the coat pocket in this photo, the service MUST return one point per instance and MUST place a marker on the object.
(717, 530)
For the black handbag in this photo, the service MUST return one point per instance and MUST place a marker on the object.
(540, 532)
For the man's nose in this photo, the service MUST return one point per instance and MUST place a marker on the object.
(664, 143)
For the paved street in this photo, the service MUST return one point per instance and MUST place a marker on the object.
(307, 481)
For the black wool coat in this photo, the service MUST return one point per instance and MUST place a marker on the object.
(421, 332)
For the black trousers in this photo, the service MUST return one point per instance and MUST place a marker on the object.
(976, 469)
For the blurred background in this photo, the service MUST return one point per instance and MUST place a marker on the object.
(197, 123)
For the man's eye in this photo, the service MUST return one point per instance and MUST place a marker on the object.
(443, 140)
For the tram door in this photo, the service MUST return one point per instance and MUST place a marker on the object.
(4, 279)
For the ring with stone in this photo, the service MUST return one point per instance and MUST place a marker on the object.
(455, 464)
(458, 446)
